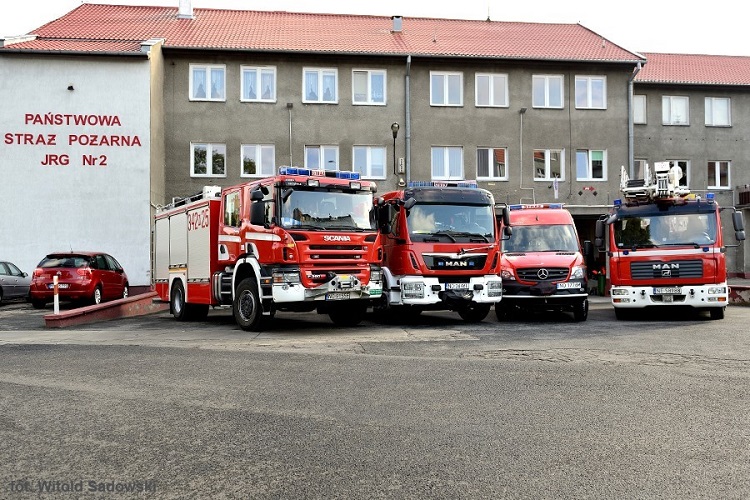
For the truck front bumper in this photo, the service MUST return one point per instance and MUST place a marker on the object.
(425, 291)
(698, 296)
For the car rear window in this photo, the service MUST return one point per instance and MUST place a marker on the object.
(72, 261)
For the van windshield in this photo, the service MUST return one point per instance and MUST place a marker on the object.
(542, 238)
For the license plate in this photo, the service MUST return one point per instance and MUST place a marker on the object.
(456, 286)
(337, 296)
(568, 284)
(61, 286)
(671, 290)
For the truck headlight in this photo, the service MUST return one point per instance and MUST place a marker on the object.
(376, 274)
(413, 290)
(578, 272)
(618, 291)
(286, 277)
(717, 290)
(507, 274)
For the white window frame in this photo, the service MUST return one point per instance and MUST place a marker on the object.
(717, 175)
(638, 169)
(321, 74)
(640, 109)
(669, 112)
(491, 80)
(585, 84)
(209, 159)
(445, 175)
(322, 149)
(446, 77)
(207, 69)
(260, 152)
(545, 80)
(366, 172)
(590, 165)
(547, 170)
(491, 163)
(713, 116)
(685, 165)
(259, 71)
(369, 98)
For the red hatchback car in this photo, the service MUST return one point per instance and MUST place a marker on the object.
(82, 276)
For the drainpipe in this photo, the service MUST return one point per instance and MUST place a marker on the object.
(631, 130)
(407, 104)
(522, 112)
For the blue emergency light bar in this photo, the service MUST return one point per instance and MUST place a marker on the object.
(537, 205)
(710, 197)
(618, 202)
(319, 173)
(465, 184)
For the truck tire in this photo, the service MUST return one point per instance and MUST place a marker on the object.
(350, 315)
(581, 310)
(177, 305)
(248, 312)
(717, 312)
(502, 312)
(474, 313)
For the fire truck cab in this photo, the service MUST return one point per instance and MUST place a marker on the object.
(543, 263)
(299, 241)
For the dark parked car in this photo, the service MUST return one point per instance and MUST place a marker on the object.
(13, 282)
(85, 276)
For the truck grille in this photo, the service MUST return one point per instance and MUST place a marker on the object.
(666, 270)
(443, 263)
(543, 273)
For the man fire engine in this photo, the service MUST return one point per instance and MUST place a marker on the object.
(299, 241)
(441, 250)
(665, 245)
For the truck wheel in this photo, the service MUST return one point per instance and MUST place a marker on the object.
(581, 310)
(248, 312)
(350, 315)
(502, 312)
(474, 313)
(717, 312)
(177, 302)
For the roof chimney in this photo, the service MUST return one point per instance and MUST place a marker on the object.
(397, 23)
(186, 10)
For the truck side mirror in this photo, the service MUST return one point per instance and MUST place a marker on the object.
(599, 234)
(256, 195)
(408, 204)
(588, 253)
(385, 215)
(507, 231)
(739, 226)
(258, 212)
(506, 217)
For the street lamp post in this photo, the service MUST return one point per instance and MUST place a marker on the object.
(394, 129)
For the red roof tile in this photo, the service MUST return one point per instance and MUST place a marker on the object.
(334, 33)
(695, 69)
(84, 46)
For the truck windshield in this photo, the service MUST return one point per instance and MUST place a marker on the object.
(542, 238)
(665, 230)
(328, 210)
(451, 222)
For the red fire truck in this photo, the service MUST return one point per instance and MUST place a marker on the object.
(665, 245)
(299, 241)
(441, 250)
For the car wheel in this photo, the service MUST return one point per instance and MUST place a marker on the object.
(474, 313)
(38, 304)
(350, 315)
(177, 304)
(581, 310)
(717, 312)
(248, 311)
(96, 298)
(125, 291)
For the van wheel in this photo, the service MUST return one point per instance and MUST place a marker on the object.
(717, 312)
(581, 310)
(96, 298)
(248, 312)
(474, 313)
(177, 304)
(348, 316)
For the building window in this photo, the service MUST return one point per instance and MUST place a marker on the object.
(447, 163)
(491, 164)
(208, 160)
(591, 92)
(718, 112)
(638, 171)
(320, 85)
(547, 91)
(639, 109)
(549, 164)
(685, 166)
(369, 161)
(491, 90)
(675, 110)
(322, 157)
(207, 83)
(446, 89)
(591, 165)
(718, 174)
(368, 87)
(258, 160)
(258, 84)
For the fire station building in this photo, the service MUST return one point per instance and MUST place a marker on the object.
(111, 111)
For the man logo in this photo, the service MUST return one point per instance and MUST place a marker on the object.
(666, 273)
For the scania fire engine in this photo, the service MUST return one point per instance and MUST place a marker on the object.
(441, 250)
(301, 240)
(665, 245)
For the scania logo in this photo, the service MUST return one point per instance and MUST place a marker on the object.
(542, 274)
(329, 237)
(456, 263)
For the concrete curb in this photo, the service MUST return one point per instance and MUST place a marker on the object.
(739, 295)
(136, 305)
